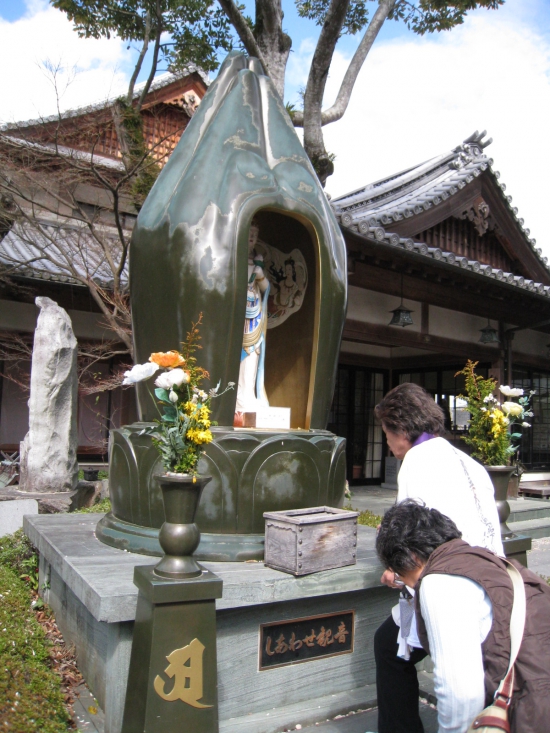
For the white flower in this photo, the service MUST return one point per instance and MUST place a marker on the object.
(173, 378)
(139, 372)
(511, 391)
(202, 394)
(483, 409)
(173, 396)
(525, 424)
(489, 398)
(512, 408)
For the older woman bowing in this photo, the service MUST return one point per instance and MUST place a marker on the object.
(444, 478)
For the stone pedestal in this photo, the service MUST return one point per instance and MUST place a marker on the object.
(253, 471)
(94, 599)
(516, 547)
(172, 684)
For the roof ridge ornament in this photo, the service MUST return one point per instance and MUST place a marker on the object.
(470, 149)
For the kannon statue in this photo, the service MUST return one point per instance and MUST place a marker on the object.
(251, 391)
(276, 287)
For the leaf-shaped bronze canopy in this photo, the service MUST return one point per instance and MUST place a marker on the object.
(239, 158)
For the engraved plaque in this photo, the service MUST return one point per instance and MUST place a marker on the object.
(306, 639)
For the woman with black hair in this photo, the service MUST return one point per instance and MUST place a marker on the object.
(439, 475)
(463, 604)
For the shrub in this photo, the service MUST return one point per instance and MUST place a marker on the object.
(30, 694)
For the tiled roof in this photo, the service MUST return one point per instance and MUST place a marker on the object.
(161, 81)
(63, 151)
(370, 211)
(72, 253)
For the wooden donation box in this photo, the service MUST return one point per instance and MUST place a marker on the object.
(303, 541)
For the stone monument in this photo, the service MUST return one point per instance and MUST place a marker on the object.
(238, 227)
(48, 452)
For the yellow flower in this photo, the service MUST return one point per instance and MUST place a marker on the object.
(499, 422)
(198, 436)
(167, 359)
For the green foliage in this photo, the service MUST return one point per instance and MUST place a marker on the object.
(99, 507)
(184, 425)
(323, 165)
(193, 30)
(491, 430)
(428, 16)
(369, 518)
(145, 166)
(423, 16)
(17, 553)
(30, 694)
(356, 17)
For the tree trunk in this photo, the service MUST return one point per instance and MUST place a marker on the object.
(315, 90)
(273, 42)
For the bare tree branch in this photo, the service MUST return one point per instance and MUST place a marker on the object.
(154, 63)
(338, 109)
(141, 56)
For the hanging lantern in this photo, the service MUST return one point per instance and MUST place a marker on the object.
(401, 316)
(489, 335)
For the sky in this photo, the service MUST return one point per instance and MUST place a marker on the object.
(415, 98)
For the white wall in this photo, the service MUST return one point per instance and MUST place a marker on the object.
(370, 307)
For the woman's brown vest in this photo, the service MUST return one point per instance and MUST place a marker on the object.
(530, 707)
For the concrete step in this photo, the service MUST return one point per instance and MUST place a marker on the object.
(534, 528)
(525, 509)
(530, 517)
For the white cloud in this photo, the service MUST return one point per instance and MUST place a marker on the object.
(90, 69)
(417, 97)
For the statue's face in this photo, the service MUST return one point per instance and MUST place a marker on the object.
(252, 237)
(288, 270)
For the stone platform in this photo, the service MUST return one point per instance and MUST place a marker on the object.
(90, 588)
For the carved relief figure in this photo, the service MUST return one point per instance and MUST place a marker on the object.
(288, 277)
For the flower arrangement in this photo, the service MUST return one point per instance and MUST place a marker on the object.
(183, 428)
(493, 427)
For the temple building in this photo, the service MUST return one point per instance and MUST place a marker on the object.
(441, 269)
(60, 242)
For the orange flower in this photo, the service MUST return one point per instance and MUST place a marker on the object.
(167, 359)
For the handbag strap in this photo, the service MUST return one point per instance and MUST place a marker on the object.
(517, 627)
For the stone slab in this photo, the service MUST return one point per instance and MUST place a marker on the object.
(12, 513)
(317, 709)
(101, 577)
(367, 722)
(91, 591)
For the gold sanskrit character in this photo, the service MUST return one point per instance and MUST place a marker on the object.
(185, 666)
(342, 633)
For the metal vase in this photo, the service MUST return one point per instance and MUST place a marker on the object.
(179, 535)
(500, 476)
